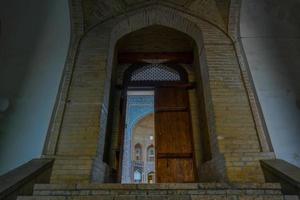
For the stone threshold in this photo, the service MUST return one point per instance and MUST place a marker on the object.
(164, 186)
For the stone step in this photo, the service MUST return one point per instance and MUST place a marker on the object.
(193, 191)
(157, 189)
(162, 197)
(200, 188)
(159, 186)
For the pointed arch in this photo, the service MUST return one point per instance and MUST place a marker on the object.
(174, 20)
(150, 153)
(138, 152)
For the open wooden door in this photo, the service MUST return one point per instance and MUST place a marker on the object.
(173, 133)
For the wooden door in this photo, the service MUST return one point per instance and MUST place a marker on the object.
(173, 133)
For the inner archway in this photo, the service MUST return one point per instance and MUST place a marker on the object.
(137, 134)
(142, 151)
(160, 89)
(149, 59)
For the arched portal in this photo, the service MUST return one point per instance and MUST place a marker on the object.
(159, 61)
(91, 94)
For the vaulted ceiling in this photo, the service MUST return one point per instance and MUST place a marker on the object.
(215, 11)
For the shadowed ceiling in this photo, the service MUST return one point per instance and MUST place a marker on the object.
(215, 11)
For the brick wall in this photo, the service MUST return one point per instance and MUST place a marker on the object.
(234, 139)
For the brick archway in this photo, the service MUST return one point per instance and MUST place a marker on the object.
(85, 94)
(170, 18)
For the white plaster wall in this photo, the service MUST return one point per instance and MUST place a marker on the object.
(270, 31)
(34, 42)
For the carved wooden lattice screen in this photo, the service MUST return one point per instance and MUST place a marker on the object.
(155, 72)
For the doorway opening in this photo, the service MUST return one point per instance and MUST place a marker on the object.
(157, 132)
(163, 61)
(138, 163)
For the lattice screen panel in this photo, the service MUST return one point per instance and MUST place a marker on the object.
(155, 72)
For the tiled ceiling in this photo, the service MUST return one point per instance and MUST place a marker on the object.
(98, 10)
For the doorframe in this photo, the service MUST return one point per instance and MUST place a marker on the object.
(144, 86)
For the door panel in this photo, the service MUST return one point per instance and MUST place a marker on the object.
(167, 97)
(180, 170)
(174, 145)
(173, 131)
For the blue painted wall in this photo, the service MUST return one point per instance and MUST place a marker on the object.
(34, 42)
(138, 106)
